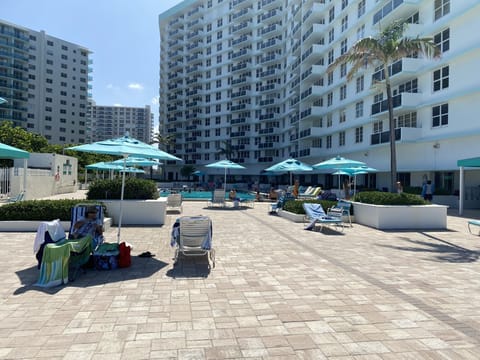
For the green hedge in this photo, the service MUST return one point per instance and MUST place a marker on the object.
(296, 206)
(44, 210)
(135, 189)
(386, 198)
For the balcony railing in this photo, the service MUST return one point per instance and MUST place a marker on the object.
(384, 137)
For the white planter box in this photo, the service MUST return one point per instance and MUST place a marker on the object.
(411, 217)
(32, 225)
(298, 218)
(138, 212)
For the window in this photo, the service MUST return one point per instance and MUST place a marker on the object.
(330, 78)
(361, 8)
(343, 70)
(209, 27)
(330, 57)
(377, 126)
(217, 132)
(219, 83)
(219, 47)
(343, 47)
(360, 84)
(330, 99)
(344, 4)
(219, 35)
(359, 134)
(440, 115)
(440, 78)
(331, 35)
(361, 32)
(218, 71)
(329, 141)
(345, 23)
(49, 62)
(218, 108)
(359, 109)
(209, 39)
(219, 22)
(218, 120)
(329, 120)
(442, 40)
(219, 59)
(406, 120)
(343, 92)
(341, 138)
(49, 43)
(343, 116)
(442, 8)
(331, 14)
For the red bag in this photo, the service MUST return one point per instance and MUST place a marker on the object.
(124, 259)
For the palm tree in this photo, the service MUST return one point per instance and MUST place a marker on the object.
(384, 49)
(163, 141)
(227, 150)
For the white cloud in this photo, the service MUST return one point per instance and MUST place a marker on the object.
(135, 86)
(117, 105)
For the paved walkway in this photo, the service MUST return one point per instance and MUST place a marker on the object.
(277, 292)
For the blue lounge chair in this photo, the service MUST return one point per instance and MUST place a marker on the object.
(280, 203)
(343, 207)
(316, 215)
(16, 198)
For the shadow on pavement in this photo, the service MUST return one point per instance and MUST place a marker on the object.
(141, 268)
(445, 250)
(190, 267)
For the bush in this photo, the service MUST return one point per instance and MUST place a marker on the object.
(296, 206)
(44, 210)
(386, 198)
(135, 189)
(412, 190)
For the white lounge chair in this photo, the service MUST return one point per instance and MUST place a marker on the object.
(194, 237)
(218, 198)
(316, 215)
(174, 202)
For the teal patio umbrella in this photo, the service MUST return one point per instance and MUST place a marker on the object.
(225, 164)
(10, 152)
(291, 166)
(137, 161)
(124, 146)
(338, 162)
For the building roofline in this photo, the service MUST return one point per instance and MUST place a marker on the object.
(177, 8)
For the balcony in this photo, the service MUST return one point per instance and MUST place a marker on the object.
(270, 72)
(401, 134)
(266, 102)
(268, 4)
(314, 35)
(313, 54)
(268, 116)
(268, 145)
(240, 28)
(270, 15)
(395, 9)
(242, 14)
(272, 42)
(401, 69)
(271, 29)
(317, 11)
(314, 111)
(237, 55)
(312, 132)
(240, 94)
(237, 134)
(402, 101)
(240, 40)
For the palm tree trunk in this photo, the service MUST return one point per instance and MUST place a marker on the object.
(391, 121)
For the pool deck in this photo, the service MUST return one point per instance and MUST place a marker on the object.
(277, 292)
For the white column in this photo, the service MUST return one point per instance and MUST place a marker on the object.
(462, 190)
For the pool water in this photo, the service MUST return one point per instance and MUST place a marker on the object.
(206, 195)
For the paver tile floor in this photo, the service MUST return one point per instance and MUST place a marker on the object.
(277, 292)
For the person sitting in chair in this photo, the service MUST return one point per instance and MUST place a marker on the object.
(232, 195)
(88, 225)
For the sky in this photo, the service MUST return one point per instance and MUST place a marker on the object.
(122, 35)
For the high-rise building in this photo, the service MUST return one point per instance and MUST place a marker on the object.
(250, 77)
(45, 81)
(109, 122)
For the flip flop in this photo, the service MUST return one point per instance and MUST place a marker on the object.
(146, 254)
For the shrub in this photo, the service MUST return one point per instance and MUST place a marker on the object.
(296, 206)
(44, 210)
(412, 190)
(135, 189)
(386, 198)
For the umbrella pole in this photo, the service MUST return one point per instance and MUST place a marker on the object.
(25, 178)
(225, 182)
(121, 198)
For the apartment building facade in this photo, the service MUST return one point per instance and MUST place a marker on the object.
(107, 122)
(253, 74)
(46, 83)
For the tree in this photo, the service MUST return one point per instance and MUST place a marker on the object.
(227, 150)
(187, 171)
(163, 141)
(384, 49)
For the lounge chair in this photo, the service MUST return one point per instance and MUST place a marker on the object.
(218, 198)
(315, 214)
(343, 207)
(16, 198)
(78, 212)
(193, 237)
(174, 203)
(281, 202)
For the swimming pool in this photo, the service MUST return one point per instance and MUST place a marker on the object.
(206, 195)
